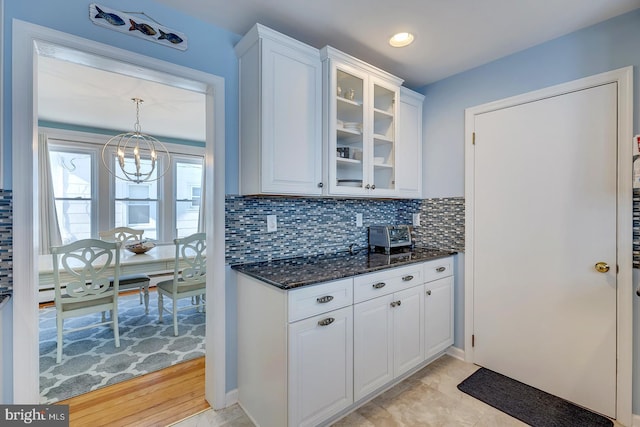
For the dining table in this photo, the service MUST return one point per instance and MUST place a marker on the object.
(157, 262)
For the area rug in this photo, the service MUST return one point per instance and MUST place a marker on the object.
(528, 404)
(90, 359)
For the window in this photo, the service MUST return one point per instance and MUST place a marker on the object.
(188, 179)
(89, 199)
(71, 174)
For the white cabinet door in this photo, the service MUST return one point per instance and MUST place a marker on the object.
(409, 145)
(438, 315)
(372, 345)
(291, 121)
(361, 118)
(408, 329)
(280, 114)
(320, 367)
(388, 338)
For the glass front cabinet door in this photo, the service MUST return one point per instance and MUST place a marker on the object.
(361, 122)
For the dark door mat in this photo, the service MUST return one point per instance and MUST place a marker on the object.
(530, 405)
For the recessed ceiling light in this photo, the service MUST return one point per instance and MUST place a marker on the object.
(401, 39)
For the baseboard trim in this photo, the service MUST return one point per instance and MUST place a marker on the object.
(231, 398)
(458, 353)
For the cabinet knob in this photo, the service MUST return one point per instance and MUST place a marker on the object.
(373, 187)
(429, 292)
(320, 185)
(396, 303)
(407, 278)
(379, 285)
(326, 322)
(367, 186)
(440, 269)
(325, 299)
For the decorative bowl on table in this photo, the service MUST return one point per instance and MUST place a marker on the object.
(139, 247)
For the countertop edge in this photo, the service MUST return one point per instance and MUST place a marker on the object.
(241, 268)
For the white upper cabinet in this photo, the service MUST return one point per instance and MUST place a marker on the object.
(361, 120)
(280, 114)
(409, 145)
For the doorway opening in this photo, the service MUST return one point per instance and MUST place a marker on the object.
(30, 47)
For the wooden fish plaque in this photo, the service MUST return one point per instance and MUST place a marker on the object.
(135, 26)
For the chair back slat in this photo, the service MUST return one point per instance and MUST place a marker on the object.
(82, 269)
(122, 234)
(190, 264)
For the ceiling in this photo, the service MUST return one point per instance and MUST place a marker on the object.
(451, 36)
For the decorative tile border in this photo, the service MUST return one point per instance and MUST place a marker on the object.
(6, 241)
(312, 226)
(636, 228)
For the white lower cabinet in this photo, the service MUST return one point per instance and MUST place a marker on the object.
(306, 355)
(320, 367)
(388, 338)
(438, 318)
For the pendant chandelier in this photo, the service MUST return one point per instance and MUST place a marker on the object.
(137, 154)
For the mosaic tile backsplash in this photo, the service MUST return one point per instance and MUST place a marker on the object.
(312, 226)
(6, 241)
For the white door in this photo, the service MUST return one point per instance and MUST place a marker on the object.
(544, 215)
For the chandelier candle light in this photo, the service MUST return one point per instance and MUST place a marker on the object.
(136, 168)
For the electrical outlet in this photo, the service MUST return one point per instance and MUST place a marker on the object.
(416, 220)
(272, 223)
(358, 220)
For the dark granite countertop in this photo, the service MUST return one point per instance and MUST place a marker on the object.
(292, 273)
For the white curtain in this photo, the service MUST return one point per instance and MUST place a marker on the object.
(201, 213)
(50, 230)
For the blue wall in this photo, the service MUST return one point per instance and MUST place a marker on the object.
(603, 47)
(210, 50)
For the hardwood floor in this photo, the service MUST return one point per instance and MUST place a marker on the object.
(156, 399)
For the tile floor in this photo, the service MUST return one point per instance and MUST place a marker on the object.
(428, 398)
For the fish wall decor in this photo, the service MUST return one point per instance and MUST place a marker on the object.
(129, 23)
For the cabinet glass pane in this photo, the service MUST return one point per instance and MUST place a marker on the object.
(349, 128)
(384, 101)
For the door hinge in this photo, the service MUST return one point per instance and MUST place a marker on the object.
(617, 269)
(473, 340)
(473, 139)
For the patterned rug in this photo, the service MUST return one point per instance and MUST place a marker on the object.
(90, 359)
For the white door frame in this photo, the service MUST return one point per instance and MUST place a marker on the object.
(30, 41)
(624, 79)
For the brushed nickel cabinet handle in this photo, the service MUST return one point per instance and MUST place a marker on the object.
(379, 285)
(407, 278)
(440, 269)
(326, 322)
(325, 299)
(396, 303)
(429, 292)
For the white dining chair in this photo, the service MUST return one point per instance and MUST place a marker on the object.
(127, 235)
(84, 284)
(188, 281)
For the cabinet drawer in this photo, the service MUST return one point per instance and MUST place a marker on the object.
(385, 282)
(437, 268)
(312, 300)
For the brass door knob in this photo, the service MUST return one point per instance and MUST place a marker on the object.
(602, 267)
